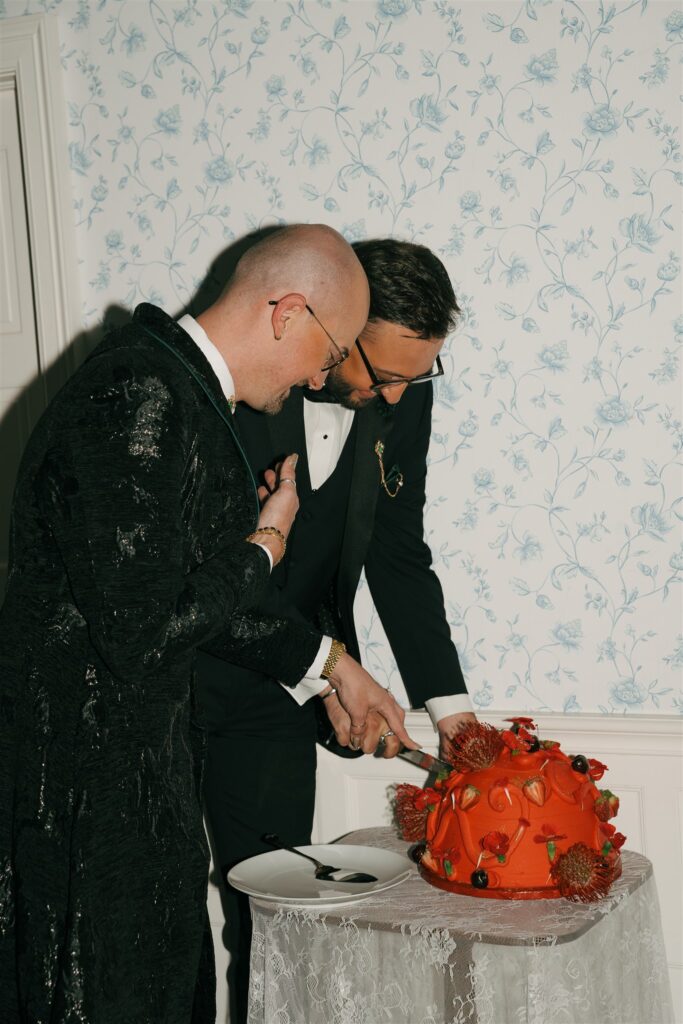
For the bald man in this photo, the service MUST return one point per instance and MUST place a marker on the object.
(136, 537)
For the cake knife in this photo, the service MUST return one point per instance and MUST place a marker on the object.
(426, 761)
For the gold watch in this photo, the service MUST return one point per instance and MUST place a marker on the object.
(336, 651)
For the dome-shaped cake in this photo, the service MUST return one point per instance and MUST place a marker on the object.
(517, 818)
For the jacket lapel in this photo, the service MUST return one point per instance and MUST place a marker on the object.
(374, 423)
(288, 435)
(158, 325)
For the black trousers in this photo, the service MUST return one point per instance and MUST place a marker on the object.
(260, 777)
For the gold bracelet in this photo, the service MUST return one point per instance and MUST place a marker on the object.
(272, 531)
(336, 651)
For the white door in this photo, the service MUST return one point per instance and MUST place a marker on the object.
(38, 269)
(22, 388)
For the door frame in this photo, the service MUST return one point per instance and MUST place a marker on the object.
(30, 64)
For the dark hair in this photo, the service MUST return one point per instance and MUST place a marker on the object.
(409, 285)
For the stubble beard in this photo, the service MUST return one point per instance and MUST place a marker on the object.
(343, 392)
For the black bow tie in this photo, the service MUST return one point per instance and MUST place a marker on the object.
(320, 396)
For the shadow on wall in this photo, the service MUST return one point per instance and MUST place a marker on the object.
(28, 406)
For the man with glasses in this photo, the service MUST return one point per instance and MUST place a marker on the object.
(363, 441)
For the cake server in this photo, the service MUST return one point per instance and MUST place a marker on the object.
(426, 761)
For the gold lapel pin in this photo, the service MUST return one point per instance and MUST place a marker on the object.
(379, 452)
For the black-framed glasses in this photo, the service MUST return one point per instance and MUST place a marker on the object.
(343, 353)
(380, 385)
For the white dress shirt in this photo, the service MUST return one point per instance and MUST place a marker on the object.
(327, 426)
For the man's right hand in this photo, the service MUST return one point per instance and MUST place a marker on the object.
(359, 695)
(279, 504)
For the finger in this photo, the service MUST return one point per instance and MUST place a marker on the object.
(288, 468)
(391, 745)
(270, 477)
(356, 732)
(395, 717)
(263, 494)
(375, 728)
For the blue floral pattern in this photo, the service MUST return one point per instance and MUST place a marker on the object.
(535, 145)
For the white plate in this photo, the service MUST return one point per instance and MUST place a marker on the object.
(282, 877)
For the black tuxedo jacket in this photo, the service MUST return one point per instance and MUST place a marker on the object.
(383, 535)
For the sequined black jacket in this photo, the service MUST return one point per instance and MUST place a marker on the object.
(127, 551)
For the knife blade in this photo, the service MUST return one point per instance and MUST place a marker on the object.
(426, 761)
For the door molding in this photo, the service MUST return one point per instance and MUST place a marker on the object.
(30, 65)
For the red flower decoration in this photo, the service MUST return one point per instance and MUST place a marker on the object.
(428, 798)
(521, 720)
(596, 769)
(582, 875)
(549, 834)
(474, 748)
(618, 840)
(512, 740)
(496, 843)
(411, 820)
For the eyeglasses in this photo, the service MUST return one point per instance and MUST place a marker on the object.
(343, 353)
(380, 385)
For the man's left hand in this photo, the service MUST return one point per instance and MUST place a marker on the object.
(450, 726)
(376, 727)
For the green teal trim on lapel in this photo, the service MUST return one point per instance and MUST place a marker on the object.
(175, 343)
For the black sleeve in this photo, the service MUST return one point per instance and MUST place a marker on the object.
(284, 648)
(404, 587)
(110, 493)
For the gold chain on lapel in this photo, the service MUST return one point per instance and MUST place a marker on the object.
(379, 452)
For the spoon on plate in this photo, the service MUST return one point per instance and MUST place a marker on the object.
(323, 872)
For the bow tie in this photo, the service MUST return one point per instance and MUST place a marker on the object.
(320, 396)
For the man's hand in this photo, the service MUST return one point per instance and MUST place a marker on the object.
(450, 726)
(359, 695)
(376, 728)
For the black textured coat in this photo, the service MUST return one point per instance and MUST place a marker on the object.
(127, 551)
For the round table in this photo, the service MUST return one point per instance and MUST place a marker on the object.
(414, 954)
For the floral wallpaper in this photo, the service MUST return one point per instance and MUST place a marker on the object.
(533, 144)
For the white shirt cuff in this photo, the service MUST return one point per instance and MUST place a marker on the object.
(312, 683)
(438, 707)
(270, 557)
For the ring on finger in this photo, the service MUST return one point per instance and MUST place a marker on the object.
(389, 732)
(287, 480)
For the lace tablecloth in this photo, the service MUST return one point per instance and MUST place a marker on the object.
(417, 955)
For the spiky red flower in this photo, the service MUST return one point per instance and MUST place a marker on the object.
(596, 769)
(582, 875)
(495, 842)
(474, 748)
(412, 820)
(607, 805)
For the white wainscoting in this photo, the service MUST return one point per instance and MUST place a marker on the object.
(645, 758)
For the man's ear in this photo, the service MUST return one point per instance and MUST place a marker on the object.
(284, 312)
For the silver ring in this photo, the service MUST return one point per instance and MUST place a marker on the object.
(287, 480)
(389, 732)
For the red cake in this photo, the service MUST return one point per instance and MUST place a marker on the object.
(517, 818)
